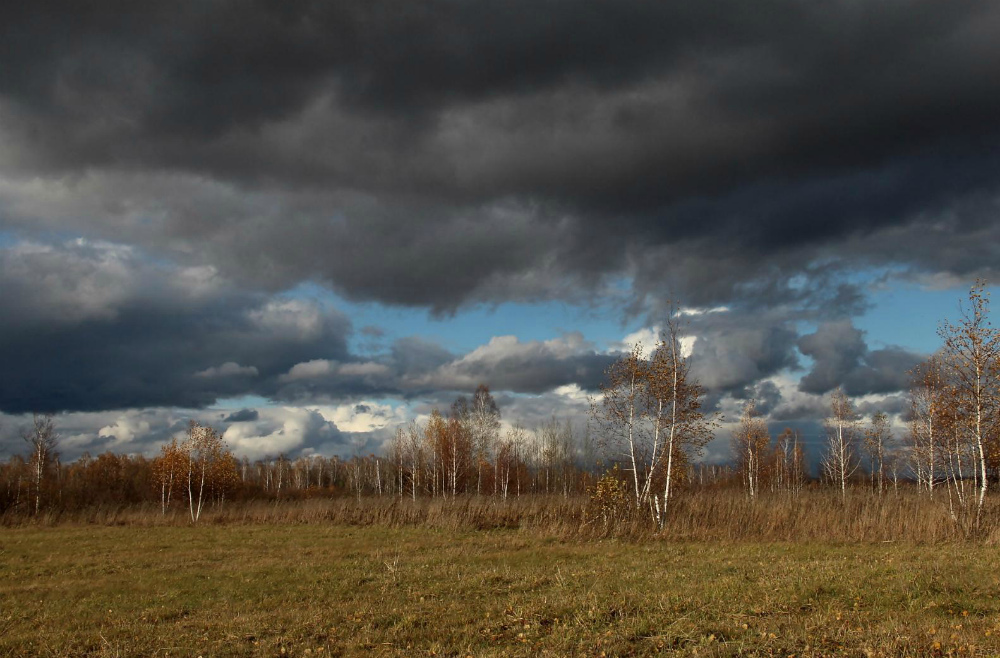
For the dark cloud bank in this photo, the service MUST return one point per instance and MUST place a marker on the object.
(442, 154)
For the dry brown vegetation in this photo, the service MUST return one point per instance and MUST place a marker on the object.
(716, 515)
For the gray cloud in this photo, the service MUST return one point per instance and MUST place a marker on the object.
(416, 368)
(228, 369)
(894, 405)
(766, 394)
(506, 363)
(97, 326)
(242, 416)
(540, 150)
(731, 355)
(210, 157)
(842, 358)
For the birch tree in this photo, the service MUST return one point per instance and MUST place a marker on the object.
(459, 446)
(929, 413)
(677, 400)
(397, 451)
(436, 439)
(207, 459)
(877, 436)
(507, 458)
(415, 455)
(42, 441)
(650, 410)
(168, 469)
(750, 441)
(789, 458)
(972, 356)
(484, 420)
(621, 410)
(840, 460)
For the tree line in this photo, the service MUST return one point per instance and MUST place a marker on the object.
(646, 432)
(954, 437)
(951, 440)
(462, 452)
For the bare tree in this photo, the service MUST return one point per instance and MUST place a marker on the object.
(435, 438)
(840, 461)
(798, 464)
(750, 441)
(959, 457)
(929, 414)
(553, 440)
(42, 440)
(518, 439)
(877, 436)
(397, 450)
(895, 460)
(415, 455)
(484, 419)
(789, 461)
(460, 452)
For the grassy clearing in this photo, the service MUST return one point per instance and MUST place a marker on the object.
(322, 590)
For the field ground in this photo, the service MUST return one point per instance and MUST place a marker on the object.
(328, 590)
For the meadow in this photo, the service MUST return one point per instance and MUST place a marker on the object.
(306, 579)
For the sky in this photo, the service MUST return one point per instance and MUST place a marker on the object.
(306, 223)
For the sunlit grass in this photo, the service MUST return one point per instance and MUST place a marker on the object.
(335, 590)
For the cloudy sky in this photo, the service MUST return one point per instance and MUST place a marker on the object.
(307, 222)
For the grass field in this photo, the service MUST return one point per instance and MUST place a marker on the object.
(327, 590)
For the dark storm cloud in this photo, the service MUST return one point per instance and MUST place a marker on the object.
(731, 355)
(506, 363)
(242, 416)
(452, 152)
(766, 394)
(842, 358)
(416, 355)
(894, 405)
(417, 368)
(92, 326)
(446, 153)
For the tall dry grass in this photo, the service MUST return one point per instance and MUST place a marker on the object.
(708, 515)
(821, 516)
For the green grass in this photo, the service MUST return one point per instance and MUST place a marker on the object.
(327, 590)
